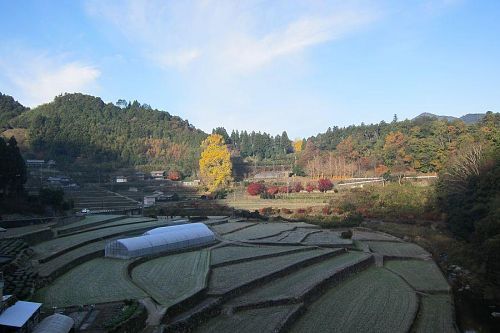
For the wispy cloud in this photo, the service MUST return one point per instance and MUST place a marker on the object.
(36, 79)
(235, 34)
(234, 58)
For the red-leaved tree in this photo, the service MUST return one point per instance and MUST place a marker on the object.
(174, 175)
(256, 188)
(324, 185)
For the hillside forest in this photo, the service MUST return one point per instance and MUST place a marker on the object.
(78, 130)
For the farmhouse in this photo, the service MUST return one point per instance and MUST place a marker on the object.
(149, 201)
(121, 179)
(161, 240)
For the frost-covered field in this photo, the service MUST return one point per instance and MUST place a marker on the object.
(260, 277)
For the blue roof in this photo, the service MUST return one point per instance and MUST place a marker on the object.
(18, 314)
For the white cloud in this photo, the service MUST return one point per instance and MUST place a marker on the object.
(38, 79)
(181, 59)
(237, 64)
(231, 35)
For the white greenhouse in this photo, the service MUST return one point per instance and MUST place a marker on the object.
(56, 323)
(169, 239)
(190, 226)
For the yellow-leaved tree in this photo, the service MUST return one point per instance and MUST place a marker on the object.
(215, 163)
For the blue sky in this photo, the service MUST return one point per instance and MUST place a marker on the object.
(299, 66)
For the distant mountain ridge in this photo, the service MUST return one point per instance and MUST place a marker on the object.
(470, 118)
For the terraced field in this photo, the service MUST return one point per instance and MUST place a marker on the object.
(315, 282)
(392, 249)
(326, 238)
(423, 275)
(227, 278)
(297, 284)
(90, 221)
(229, 227)
(374, 300)
(173, 278)
(255, 320)
(263, 230)
(292, 236)
(96, 281)
(61, 244)
(436, 314)
(228, 254)
(374, 236)
(51, 267)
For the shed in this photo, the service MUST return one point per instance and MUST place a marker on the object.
(168, 239)
(56, 323)
(20, 317)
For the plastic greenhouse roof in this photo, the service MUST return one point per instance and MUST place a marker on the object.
(171, 237)
(190, 226)
(57, 323)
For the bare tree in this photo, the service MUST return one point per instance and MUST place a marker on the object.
(466, 164)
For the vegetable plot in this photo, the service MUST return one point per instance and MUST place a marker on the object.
(173, 278)
(96, 281)
(375, 300)
(251, 321)
(423, 275)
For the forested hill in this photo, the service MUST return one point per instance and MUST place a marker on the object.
(422, 145)
(82, 130)
(9, 109)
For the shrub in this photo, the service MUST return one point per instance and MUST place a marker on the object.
(297, 187)
(310, 188)
(324, 185)
(266, 211)
(346, 234)
(326, 210)
(273, 190)
(256, 188)
(285, 189)
(174, 175)
(286, 211)
(301, 211)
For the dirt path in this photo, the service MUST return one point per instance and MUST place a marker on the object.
(155, 315)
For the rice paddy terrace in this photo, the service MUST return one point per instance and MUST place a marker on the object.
(258, 277)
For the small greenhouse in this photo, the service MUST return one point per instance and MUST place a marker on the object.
(171, 238)
(56, 323)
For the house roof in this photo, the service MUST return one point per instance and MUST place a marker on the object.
(18, 314)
